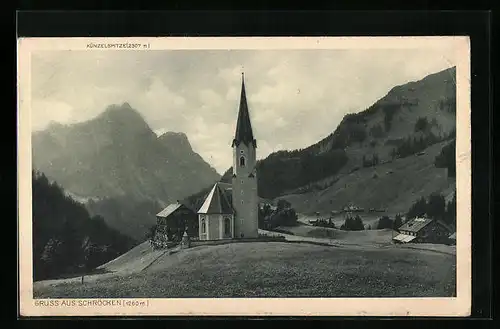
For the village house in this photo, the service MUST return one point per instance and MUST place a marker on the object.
(423, 230)
(172, 222)
(231, 210)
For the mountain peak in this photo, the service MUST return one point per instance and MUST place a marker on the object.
(123, 110)
(124, 118)
(175, 139)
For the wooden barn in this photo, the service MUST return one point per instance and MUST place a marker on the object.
(423, 230)
(173, 221)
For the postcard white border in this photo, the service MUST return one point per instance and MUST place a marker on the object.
(459, 306)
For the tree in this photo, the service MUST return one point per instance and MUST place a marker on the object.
(65, 237)
(446, 159)
(283, 204)
(389, 111)
(377, 131)
(364, 162)
(451, 211)
(284, 217)
(394, 153)
(358, 224)
(418, 209)
(398, 221)
(422, 124)
(436, 206)
(384, 222)
(52, 257)
(264, 213)
(353, 224)
(150, 234)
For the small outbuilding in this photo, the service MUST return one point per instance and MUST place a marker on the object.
(173, 221)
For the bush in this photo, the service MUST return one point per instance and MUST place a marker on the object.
(284, 215)
(283, 204)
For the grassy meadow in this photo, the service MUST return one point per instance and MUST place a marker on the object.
(277, 269)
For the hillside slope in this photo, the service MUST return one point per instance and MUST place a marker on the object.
(408, 119)
(277, 269)
(66, 239)
(411, 118)
(394, 185)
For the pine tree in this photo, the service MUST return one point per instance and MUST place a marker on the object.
(398, 221)
(436, 206)
(418, 209)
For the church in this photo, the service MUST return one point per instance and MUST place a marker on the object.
(231, 210)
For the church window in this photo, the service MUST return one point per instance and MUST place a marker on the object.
(242, 161)
(242, 181)
(241, 201)
(203, 226)
(227, 226)
(241, 151)
(241, 192)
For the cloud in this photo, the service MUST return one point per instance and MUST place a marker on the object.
(43, 112)
(296, 97)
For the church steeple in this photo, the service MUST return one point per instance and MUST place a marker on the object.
(244, 132)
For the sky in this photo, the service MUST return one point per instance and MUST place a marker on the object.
(295, 97)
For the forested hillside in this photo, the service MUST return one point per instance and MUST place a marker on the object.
(66, 239)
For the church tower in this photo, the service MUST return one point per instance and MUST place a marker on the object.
(244, 185)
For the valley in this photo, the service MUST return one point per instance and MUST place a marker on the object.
(382, 159)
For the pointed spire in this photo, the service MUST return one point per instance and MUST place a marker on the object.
(244, 132)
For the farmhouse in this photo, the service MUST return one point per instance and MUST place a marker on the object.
(173, 221)
(423, 230)
(231, 210)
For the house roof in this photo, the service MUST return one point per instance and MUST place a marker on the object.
(404, 238)
(169, 210)
(218, 201)
(415, 224)
(244, 132)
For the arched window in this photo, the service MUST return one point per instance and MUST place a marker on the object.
(242, 161)
(203, 227)
(227, 226)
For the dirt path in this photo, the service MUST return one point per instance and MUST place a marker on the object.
(444, 249)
